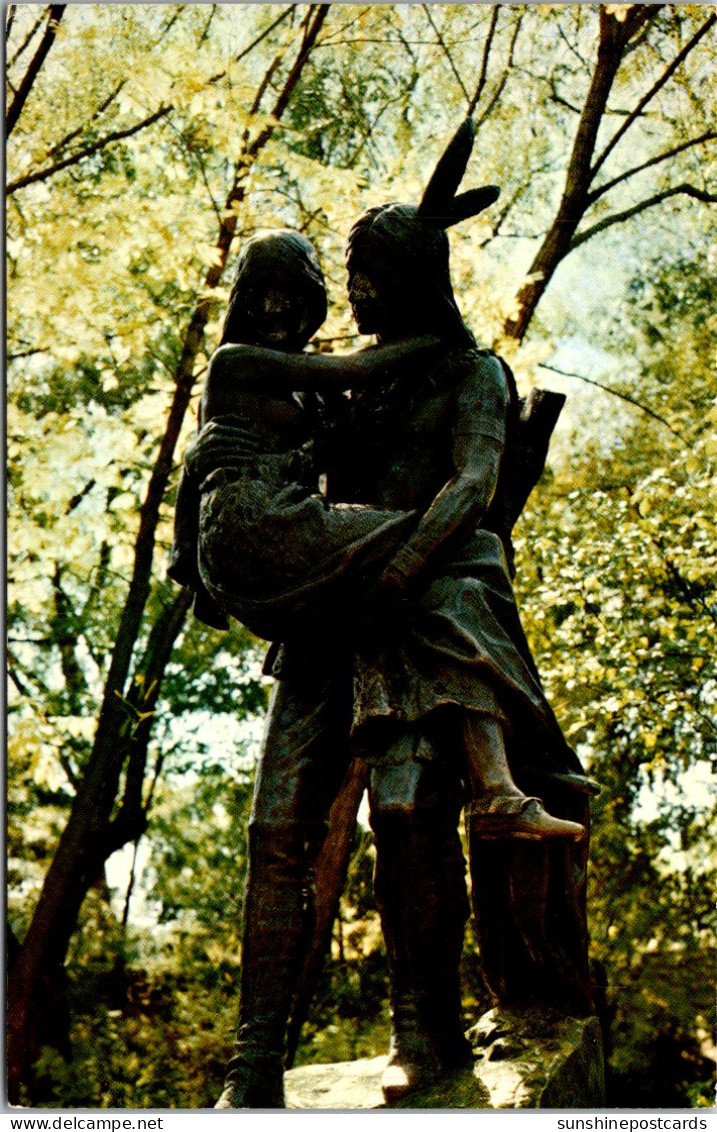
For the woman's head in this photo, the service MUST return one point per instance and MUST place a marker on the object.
(278, 297)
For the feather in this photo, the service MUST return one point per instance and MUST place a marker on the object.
(448, 174)
(439, 205)
(470, 204)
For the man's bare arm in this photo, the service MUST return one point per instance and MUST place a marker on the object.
(460, 506)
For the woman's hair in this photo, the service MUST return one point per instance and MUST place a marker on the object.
(281, 256)
(418, 254)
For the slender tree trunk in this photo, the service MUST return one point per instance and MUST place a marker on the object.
(77, 862)
(331, 868)
(55, 12)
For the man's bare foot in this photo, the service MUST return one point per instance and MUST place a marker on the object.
(522, 819)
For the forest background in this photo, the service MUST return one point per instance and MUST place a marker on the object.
(145, 143)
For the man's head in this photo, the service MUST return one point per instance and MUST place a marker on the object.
(396, 268)
(398, 254)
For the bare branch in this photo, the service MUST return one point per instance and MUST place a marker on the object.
(55, 13)
(558, 97)
(559, 240)
(707, 136)
(205, 31)
(81, 129)
(506, 210)
(571, 47)
(64, 627)
(484, 62)
(650, 202)
(504, 77)
(22, 688)
(110, 98)
(446, 52)
(255, 42)
(622, 396)
(79, 496)
(666, 74)
(313, 23)
(88, 151)
(12, 8)
(28, 38)
(26, 353)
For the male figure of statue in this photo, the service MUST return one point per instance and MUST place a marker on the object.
(446, 691)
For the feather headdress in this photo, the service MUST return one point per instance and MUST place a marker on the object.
(440, 206)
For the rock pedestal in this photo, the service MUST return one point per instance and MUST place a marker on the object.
(524, 1058)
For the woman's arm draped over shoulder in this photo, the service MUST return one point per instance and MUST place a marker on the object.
(233, 367)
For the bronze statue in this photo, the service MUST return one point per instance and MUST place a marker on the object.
(252, 535)
(446, 689)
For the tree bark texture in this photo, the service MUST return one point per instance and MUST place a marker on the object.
(614, 37)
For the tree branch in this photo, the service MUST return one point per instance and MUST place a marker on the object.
(26, 353)
(583, 62)
(666, 74)
(638, 15)
(142, 699)
(446, 52)
(602, 189)
(504, 77)
(28, 38)
(484, 62)
(622, 396)
(205, 32)
(88, 151)
(617, 217)
(315, 18)
(255, 42)
(60, 145)
(55, 149)
(64, 630)
(55, 13)
(22, 689)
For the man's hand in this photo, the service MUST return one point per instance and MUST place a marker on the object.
(214, 446)
(388, 606)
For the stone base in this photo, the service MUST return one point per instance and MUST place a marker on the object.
(524, 1058)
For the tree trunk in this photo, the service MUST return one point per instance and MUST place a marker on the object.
(614, 37)
(331, 868)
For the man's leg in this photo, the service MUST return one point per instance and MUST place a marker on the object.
(304, 759)
(421, 895)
